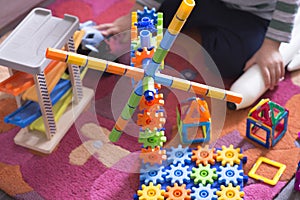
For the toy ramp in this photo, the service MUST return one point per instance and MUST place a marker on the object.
(22, 81)
(58, 109)
(31, 111)
(54, 74)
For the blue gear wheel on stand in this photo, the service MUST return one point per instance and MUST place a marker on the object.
(148, 13)
(152, 173)
(179, 155)
(204, 192)
(230, 174)
(146, 24)
(178, 174)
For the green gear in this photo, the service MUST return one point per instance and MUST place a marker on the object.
(204, 174)
(152, 138)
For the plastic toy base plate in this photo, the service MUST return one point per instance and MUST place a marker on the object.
(37, 141)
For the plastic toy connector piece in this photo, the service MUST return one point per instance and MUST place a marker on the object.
(281, 168)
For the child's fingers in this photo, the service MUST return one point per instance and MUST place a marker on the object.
(101, 27)
(110, 31)
(249, 64)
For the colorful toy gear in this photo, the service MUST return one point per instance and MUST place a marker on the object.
(153, 156)
(151, 192)
(152, 138)
(178, 174)
(204, 174)
(204, 155)
(152, 173)
(146, 24)
(177, 192)
(146, 105)
(230, 174)
(153, 118)
(147, 13)
(204, 192)
(140, 55)
(230, 193)
(179, 155)
(229, 155)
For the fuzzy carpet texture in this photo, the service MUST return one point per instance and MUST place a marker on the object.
(86, 165)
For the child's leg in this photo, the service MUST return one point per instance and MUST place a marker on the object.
(230, 36)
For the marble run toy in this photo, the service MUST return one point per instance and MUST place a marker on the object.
(149, 75)
(181, 176)
(267, 123)
(281, 168)
(24, 52)
(193, 117)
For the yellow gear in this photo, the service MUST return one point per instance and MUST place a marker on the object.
(229, 155)
(151, 192)
(230, 193)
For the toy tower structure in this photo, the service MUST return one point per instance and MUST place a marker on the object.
(267, 123)
(149, 75)
(193, 113)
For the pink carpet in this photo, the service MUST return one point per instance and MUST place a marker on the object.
(87, 166)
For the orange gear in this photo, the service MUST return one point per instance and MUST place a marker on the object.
(153, 156)
(204, 155)
(140, 56)
(157, 86)
(177, 192)
(151, 119)
(158, 100)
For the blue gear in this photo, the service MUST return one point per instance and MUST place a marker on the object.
(179, 155)
(153, 174)
(178, 174)
(146, 24)
(230, 174)
(147, 13)
(204, 192)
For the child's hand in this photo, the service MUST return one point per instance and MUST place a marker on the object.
(270, 61)
(119, 25)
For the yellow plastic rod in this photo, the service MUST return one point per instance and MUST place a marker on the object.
(95, 63)
(181, 15)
